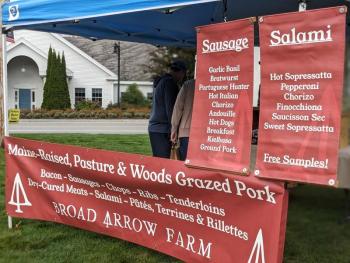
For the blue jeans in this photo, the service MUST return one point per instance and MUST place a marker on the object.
(161, 144)
(183, 148)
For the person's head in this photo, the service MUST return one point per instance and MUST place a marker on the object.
(178, 70)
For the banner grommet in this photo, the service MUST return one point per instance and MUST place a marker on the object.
(342, 9)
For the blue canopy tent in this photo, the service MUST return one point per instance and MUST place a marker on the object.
(154, 22)
(158, 22)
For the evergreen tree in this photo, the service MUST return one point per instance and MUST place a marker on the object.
(56, 93)
(47, 81)
(65, 89)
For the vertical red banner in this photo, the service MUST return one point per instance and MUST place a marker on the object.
(302, 73)
(220, 133)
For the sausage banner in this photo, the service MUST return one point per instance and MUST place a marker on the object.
(302, 78)
(220, 133)
(191, 214)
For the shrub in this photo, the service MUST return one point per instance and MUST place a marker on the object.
(134, 112)
(133, 96)
(58, 115)
(139, 115)
(37, 115)
(111, 106)
(45, 115)
(72, 115)
(30, 115)
(124, 106)
(113, 115)
(24, 113)
(81, 115)
(65, 114)
(126, 115)
(51, 113)
(86, 113)
(101, 115)
(87, 105)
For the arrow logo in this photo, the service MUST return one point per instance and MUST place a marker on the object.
(258, 249)
(19, 197)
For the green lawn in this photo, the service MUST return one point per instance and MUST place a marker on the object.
(314, 231)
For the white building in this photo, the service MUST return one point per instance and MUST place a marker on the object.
(87, 78)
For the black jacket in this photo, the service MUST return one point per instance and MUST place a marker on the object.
(164, 97)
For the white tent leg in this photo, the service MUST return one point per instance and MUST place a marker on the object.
(195, 66)
(5, 98)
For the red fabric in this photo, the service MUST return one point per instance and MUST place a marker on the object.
(223, 142)
(307, 155)
(244, 204)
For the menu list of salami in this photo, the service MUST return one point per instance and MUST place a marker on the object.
(222, 112)
(302, 58)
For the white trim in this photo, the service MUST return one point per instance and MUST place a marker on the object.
(136, 82)
(112, 79)
(7, 26)
(25, 42)
(83, 54)
(4, 84)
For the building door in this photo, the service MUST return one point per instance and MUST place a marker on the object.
(24, 99)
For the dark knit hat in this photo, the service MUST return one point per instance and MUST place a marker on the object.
(178, 65)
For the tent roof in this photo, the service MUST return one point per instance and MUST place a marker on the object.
(159, 22)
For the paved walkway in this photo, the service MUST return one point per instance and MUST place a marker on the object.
(110, 126)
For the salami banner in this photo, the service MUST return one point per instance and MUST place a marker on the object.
(302, 72)
(220, 133)
(190, 214)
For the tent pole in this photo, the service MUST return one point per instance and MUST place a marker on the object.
(119, 74)
(195, 66)
(4, 85)
(4, 100)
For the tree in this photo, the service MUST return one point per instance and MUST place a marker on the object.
(65, 89)
(163, 56)
(48, 78)
(133, 96)
(56, 93)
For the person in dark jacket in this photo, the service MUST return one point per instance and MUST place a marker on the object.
(165, 92)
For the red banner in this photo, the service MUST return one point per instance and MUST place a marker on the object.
(191, 214)
(220, 133)
(302, 59)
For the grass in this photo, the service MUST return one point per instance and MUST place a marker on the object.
(314, 231)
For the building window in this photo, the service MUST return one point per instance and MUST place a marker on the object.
(16, 95)
(33, 107)
(149, 95)
(97, 96)
(33, 96)
(79, 94)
